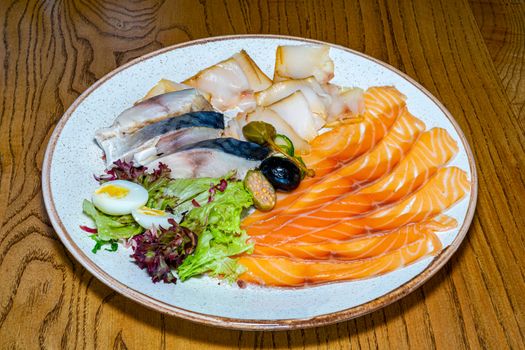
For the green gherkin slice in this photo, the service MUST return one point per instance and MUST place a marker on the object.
(261, 189)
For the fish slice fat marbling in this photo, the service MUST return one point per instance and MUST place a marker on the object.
(444, 189)
(286, 272)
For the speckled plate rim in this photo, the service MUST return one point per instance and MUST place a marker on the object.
(252, 324)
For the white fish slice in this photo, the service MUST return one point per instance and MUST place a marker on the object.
(281, 127)
(231, 83)
(317, 98)
(296, 111)
(164, 86)
(303, 61)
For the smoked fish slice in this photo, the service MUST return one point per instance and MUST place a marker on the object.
(358, 248)
(367, 168)
(433, 149)
(443, 190)
(285, 272)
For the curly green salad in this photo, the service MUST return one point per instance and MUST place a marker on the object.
(191, 226)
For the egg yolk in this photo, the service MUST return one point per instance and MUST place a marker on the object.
(113, 191)
(151, 212)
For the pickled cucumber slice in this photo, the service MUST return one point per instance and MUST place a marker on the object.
(261, 189)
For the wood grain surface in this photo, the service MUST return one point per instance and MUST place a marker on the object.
(502, 25)
(469, 55)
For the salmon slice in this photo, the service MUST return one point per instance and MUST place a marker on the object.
(436, 147)
(382, 106)
(441, 223)
(444, 189)
(433, 149)
(369, 167)
(359, 248)
(285, 272)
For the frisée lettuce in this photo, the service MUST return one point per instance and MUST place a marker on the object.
(218, 226)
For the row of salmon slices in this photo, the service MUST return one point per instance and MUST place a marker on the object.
(375, 204)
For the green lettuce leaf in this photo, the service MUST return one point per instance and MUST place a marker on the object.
(111, 227)
(164, 193)
(176, 194)
(157, 196)
(193, 192)
(99, 243)
(186, 189)
(218, 224)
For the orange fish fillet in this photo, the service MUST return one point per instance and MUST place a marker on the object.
(359, 248)
(382, 106)
(432, 150)
(436, 147)
(366, 168)
(447, 187)
(285, 272)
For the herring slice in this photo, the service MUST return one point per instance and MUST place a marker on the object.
(154, 110)
(150, 111)
(163, 137)
(213, 158)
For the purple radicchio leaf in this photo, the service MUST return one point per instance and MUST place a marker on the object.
(88, 229)
(159, 250)
(221, 187)
(122, 170)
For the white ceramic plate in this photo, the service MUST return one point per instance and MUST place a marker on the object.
(72, 157)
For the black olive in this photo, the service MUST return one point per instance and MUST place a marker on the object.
(283, 174)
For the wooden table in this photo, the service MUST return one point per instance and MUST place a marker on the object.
(470, 55)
